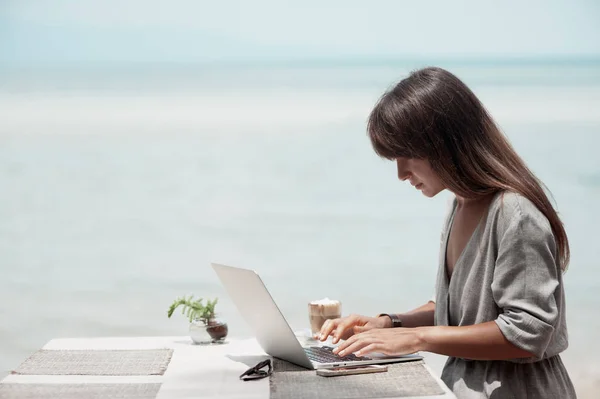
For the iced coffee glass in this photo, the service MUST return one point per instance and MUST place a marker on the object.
(321, 310)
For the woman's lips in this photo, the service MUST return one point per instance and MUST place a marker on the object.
(419, 186)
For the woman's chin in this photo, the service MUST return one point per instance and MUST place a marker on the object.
(426, 191)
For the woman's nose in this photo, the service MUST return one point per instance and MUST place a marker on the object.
(403, 172)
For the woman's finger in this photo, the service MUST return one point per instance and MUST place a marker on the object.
(373, 347)
(345, 324)
(346, 343)
(355, 346)
(328, 326)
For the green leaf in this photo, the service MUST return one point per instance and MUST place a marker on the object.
(194, 309)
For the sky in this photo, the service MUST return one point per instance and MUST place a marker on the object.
(62, 32)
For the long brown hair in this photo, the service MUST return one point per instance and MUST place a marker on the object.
(433, 115)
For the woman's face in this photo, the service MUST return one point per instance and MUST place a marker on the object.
(420, 174)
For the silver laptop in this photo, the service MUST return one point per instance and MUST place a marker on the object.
(273, 332)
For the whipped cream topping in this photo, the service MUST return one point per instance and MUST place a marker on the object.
(325, 301)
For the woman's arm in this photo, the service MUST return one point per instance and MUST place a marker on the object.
(345, 327)
(482, 341)
(419, 317)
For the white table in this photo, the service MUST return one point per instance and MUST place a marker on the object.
(194, 371)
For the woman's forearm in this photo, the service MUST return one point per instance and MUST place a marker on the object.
(419, 317)
(482, 341)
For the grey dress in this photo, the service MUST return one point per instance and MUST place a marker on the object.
(508, 273)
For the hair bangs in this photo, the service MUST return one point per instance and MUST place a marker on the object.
(389, 131)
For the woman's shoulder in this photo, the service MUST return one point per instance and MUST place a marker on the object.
(513, 208)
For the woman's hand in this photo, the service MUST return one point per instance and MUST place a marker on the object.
(390, 341)
(346, 327)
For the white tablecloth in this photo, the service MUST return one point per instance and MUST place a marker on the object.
(194, 371)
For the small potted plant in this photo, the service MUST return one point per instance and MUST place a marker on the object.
(204, 327)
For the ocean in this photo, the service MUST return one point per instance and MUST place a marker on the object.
(121, 185)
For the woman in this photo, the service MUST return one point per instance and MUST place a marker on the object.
(499, 309)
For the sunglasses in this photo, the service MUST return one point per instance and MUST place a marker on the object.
(256, 372)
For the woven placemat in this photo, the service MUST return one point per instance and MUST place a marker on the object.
(401, 380)
(97, 362)
(78, 391)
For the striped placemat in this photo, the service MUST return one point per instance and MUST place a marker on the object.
(97, 362)
(401, 380)
(78, 391)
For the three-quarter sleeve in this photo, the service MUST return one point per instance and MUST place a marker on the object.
(525, 280)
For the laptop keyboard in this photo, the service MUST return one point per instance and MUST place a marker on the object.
(324, 354)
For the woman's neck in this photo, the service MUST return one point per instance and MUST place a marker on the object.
(463, 202)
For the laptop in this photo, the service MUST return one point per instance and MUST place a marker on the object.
(273, 332)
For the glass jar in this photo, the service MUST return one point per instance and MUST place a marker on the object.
(212, 333)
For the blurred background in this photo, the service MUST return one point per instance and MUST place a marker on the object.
(141, 140)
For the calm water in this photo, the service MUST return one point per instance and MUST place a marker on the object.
(120, 187)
